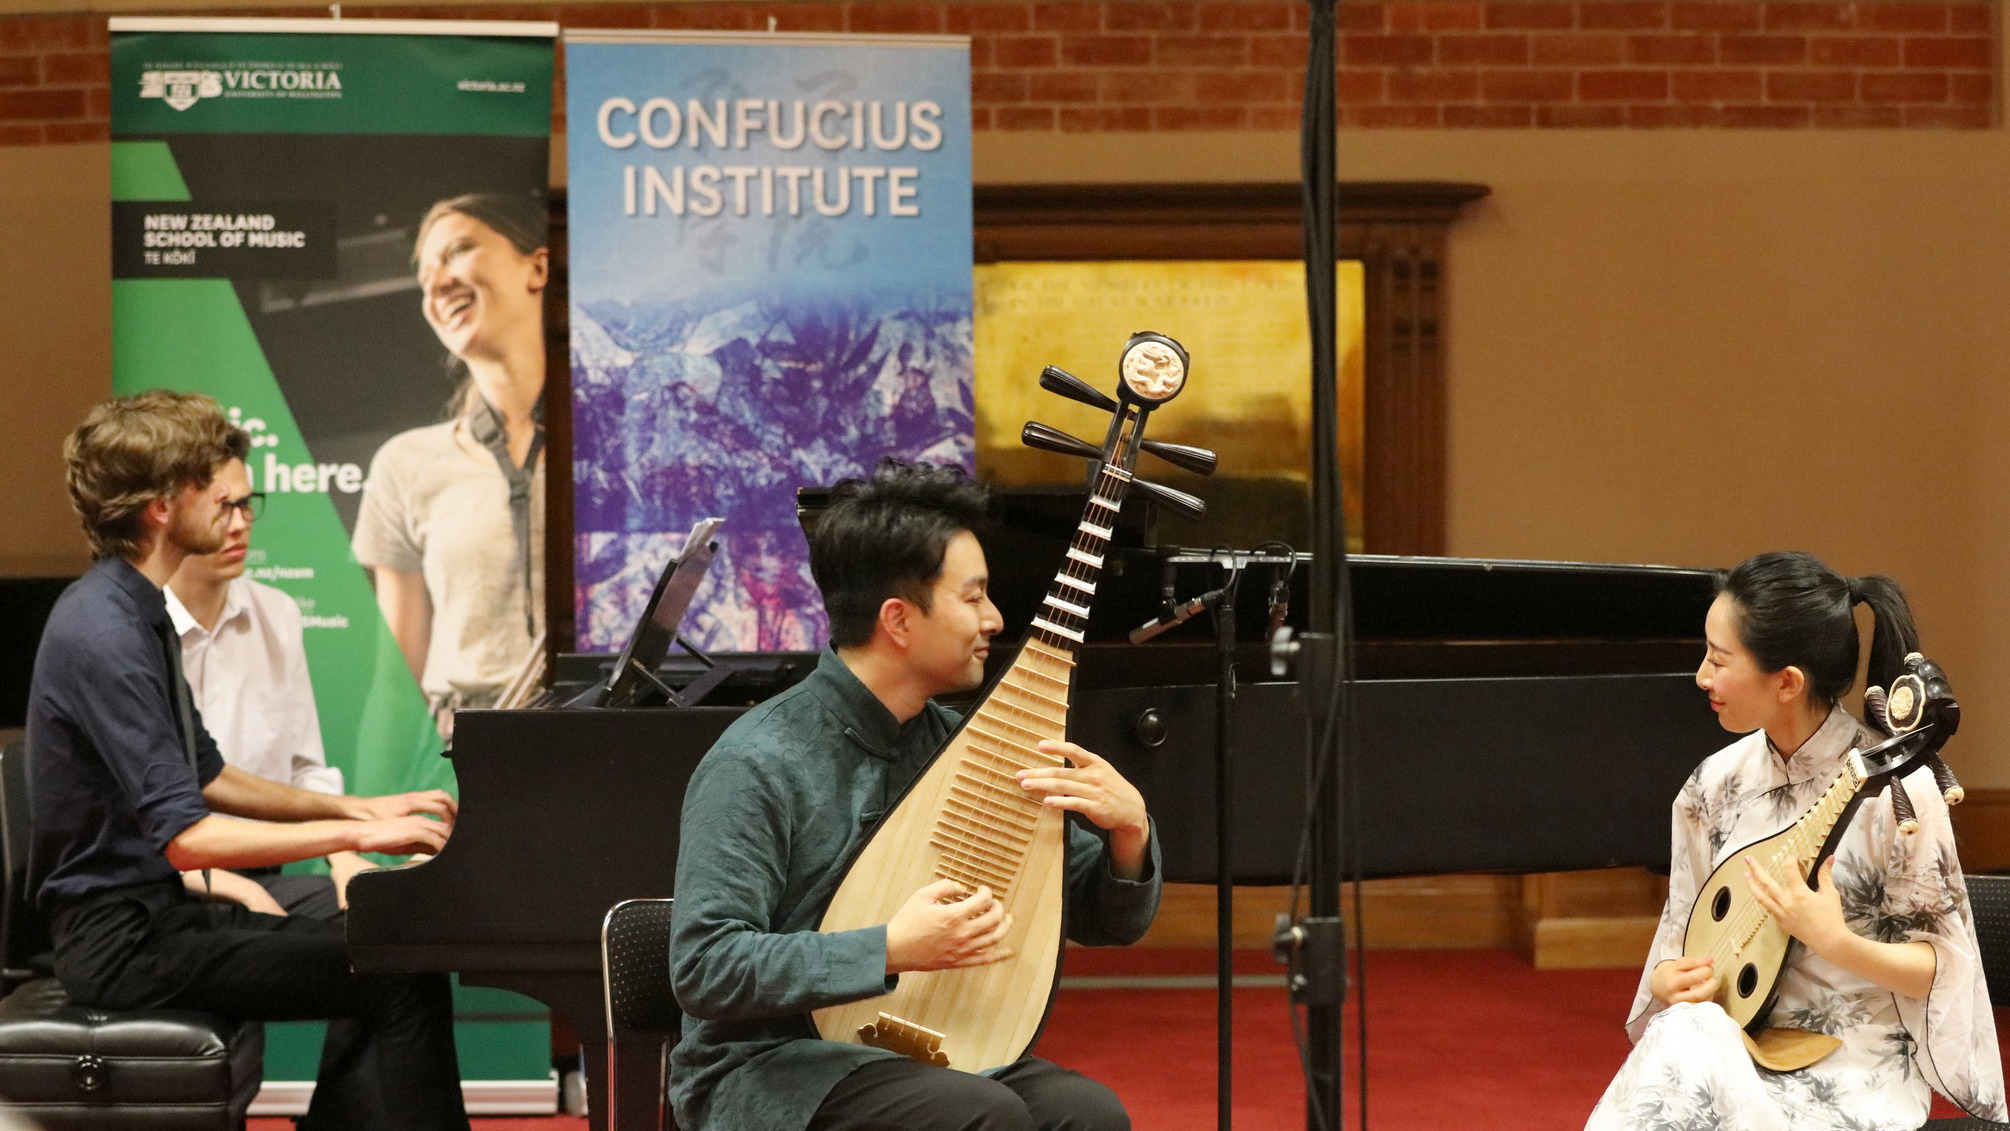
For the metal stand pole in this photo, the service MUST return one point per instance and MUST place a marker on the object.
(1326, 694)
(1224, 866)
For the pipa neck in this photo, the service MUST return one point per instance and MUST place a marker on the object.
(1063, 619)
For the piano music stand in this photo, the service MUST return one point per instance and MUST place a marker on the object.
(635, 671)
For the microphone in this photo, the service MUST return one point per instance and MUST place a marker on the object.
(1179, 616)
(1280, 602)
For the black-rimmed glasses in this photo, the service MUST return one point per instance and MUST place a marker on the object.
(252, 505)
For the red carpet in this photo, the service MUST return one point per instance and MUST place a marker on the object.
(1457, 1039)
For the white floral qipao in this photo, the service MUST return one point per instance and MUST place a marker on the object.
(1689, 1070)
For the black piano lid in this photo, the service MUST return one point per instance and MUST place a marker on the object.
(1423, 598)
(1396, 598)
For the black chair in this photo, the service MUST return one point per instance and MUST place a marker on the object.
(25, 950)
(1989, 899)
(73, 1068)
(635, 975)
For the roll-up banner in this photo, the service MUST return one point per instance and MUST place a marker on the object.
(771, 288)
(280, 188)
(269, 182)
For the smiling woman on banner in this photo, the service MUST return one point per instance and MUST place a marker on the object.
(452, 519)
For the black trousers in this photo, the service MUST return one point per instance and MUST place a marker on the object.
(1029, 1095)
(299, 894)
(388, 1061)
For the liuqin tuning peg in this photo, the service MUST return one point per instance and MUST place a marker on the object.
(1055, 379)
(1200, 461)
(1048, 438)
(1179, 501)
(1901, 807)
(1950, 789)
(1874, 707)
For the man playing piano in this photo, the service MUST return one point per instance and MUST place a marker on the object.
(245, 660)
(777, 807)
(127, 787)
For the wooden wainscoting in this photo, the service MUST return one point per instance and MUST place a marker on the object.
(1598, 918)
(1555, 920)
(1566, 919)
(1419, 912)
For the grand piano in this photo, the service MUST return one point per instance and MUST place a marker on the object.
(1512, 716)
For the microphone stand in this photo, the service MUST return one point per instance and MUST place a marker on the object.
(1222, 601)
(1324, 654)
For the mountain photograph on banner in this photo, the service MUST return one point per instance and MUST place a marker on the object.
(771, 289)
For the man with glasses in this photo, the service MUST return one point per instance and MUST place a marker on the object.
(127, 792)
(246, 663)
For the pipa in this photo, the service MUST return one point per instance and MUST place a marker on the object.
(965, 818)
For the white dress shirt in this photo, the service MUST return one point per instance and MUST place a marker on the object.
(249, 678)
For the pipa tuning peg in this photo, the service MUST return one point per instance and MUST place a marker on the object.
(1180, 501)
(1055, 379)
(1048, 438)
(1200, 461)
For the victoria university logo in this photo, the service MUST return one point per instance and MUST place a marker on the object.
(185, 86)
(181, 89)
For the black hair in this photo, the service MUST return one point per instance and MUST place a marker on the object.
(1793, 611)
(885, 536)
(520, 218)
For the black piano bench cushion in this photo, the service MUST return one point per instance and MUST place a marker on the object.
(70, 1066)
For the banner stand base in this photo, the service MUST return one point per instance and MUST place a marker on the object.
(483, 1097)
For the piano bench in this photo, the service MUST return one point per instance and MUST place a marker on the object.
(69, 1067)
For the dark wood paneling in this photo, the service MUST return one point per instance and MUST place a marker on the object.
(1982, 829)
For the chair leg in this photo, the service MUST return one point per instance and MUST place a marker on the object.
(613, 1098)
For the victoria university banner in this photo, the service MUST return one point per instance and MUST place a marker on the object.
(771, 288)
(279, 187)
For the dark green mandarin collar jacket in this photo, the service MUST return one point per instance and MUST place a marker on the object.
(774, 812)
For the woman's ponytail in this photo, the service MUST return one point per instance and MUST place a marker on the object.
(1893, 633)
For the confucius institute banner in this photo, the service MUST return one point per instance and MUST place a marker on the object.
(269, 177)
(771, 288)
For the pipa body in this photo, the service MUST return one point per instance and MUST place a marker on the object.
(965, 817)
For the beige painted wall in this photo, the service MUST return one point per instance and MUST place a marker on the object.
(1674, 346)
(55, 342)
(1687, 347)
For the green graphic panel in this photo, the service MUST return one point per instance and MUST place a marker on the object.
(145, 170)
(192, 334)
(499, 1036)
(220, 82)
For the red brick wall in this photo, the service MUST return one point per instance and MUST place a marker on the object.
(1103, 65)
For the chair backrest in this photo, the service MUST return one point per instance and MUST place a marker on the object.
(24, 937)
(635, 970)
(1989, 900)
